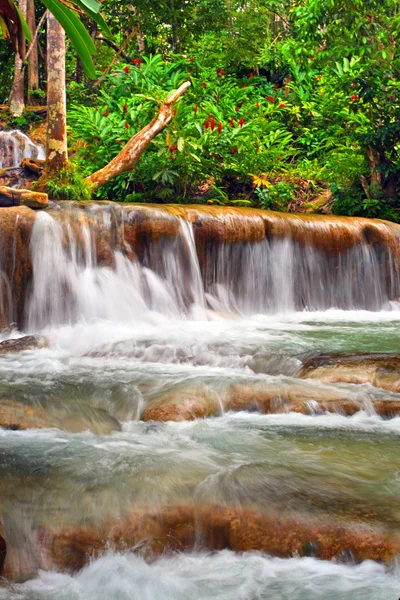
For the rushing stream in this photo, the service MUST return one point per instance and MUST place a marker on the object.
(247, 503)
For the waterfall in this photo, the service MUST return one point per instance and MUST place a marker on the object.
(129, 264)
(14, 146)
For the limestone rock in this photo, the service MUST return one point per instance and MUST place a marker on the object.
(16, 197)
(17, 416)
(28, 342)
(380, 370)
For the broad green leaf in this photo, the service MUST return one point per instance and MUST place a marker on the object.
(76, 32)
(24, 24)
(95, 15)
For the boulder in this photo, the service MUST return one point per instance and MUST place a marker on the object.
(28, 342)
(183, 405)
(380, 370)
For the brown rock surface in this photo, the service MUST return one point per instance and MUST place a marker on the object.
(182, 406)
(181, 528)
(15, 265)
(15, 197)
(380, 370)
(17, 416)
(28, 342)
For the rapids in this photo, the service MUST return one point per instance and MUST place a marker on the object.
(152, 308)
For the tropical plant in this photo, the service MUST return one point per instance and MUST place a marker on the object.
(14, 26)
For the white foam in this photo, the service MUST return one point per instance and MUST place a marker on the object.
(220, 576)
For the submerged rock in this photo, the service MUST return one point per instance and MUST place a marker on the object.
(380, 370)
(17, 416)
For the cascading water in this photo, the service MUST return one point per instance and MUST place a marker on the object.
(215, 413)
(15, 145)
(182, 276)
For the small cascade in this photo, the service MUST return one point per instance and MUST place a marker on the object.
(133, 263)
(14, 146)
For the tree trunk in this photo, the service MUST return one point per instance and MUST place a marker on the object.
(17, 103)
(56, 143)
(33, 62)
(134, 149)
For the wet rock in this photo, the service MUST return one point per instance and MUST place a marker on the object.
(16, 416)
(28, 342)
(15, 197)
(214, 527)
(380, 370)
(15, 263)
(305, 399)
(183, 405)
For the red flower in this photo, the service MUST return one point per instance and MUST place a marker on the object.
(196, 108)
(270, 99)
(244, 86)
(276, 86)
(203, 84)
(297, 124)
(126, 69)
(125, 108)
(219, 128)
(241, 123)
(173, 148)
(191, 59)
(212, 124)
(106, 113)
(126, 125)
(282, 105)
(251, 75)
(313, 56)
(237, 108)
(234, 150)
(232, 122)
(103, 69)
(207, 124)
(257, 105)
(354, 98)
(221, 72)
(137, 62)
(174, 112)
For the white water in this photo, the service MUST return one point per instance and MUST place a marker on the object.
(170, 282)
(175, 320)
(221, 576)
(15, 145)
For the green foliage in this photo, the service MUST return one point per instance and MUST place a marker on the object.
(306, 91)
(67, 184)
(275, 197)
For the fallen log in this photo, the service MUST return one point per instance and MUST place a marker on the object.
(133, 150)
(13, 197)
